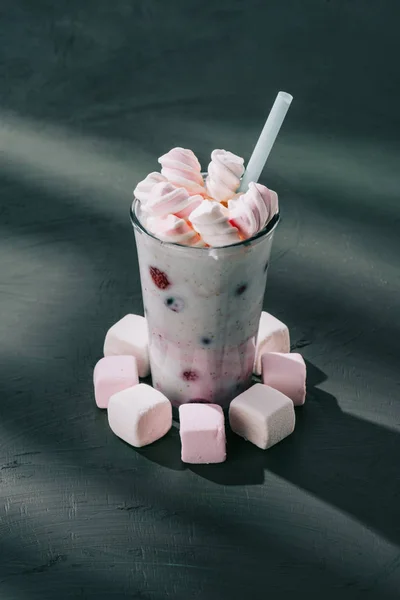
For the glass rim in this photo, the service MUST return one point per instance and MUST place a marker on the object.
(266, 232)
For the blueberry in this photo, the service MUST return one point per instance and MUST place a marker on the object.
(206, 341)
(241, 289)
(174, 304)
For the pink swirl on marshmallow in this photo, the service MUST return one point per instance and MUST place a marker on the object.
(211, 221)
(168, 199)
(224, 173)
(193, 202)
(174, 230)
(181, 167)
(144, 188)
(250, 212)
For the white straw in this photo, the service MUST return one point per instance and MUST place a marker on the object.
(266, 139)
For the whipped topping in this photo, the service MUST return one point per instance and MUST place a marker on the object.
(144, 188)
(211, 221)
(250, 212)
(181, 167)
(166, 199)
(174, 230)
(224, 173)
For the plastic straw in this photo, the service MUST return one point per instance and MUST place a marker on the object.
(266, 139)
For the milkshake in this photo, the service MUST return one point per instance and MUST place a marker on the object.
(203, 263)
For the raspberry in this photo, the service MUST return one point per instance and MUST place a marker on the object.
(233, 223)
(190, 375)
(159, 277)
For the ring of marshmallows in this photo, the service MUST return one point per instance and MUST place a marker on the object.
(179, 206)
(140, 415)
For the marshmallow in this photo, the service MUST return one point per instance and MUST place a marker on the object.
(113, 374)
(144, 189)
(262, 415)
(174, 230)
(130, 336)
(273, 336)
(286, 373)
(224, 173)
(139, 415)
(211, 221)
(181, 167)
(202, 431)
(250, 212)
(168, 199)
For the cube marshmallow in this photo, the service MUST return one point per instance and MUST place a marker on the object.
(262, 415)
(130, 336)
(202, 431)
(273, 336)
(113, 374)
(286, 373)
(139, 415)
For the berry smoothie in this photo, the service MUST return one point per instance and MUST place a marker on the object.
(203, 306)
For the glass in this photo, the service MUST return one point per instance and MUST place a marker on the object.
(203, 307)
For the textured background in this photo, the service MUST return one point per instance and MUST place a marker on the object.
(91, 93)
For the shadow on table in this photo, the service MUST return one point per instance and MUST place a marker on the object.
(339, 458)
(166, 452)
(245, 463)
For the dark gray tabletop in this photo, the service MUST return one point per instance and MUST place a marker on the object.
(91, 93)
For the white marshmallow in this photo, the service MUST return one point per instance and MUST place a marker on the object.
(211, 221)
(130, 336)
(262, 415)
(139, 415)
(273, 336)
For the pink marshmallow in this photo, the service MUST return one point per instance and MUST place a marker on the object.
(285, 373)
(250, 212)
(130, 336)
(113, 374)
(181, 167)
(272, 336)
(202, 431)
(139, 415)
